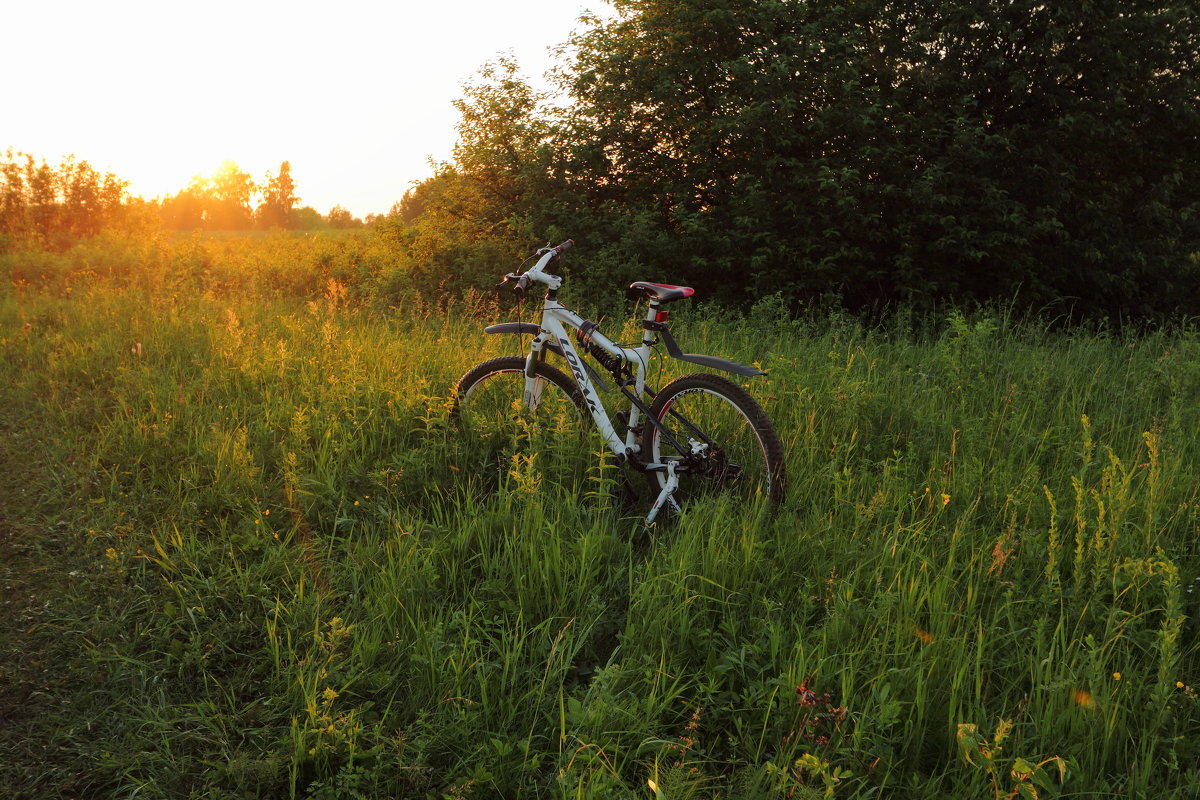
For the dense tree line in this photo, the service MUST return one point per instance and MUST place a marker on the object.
(52, 205)
(224, 201)
(879, 152)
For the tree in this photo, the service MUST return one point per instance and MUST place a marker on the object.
(187, 210)
(464, 225)
(230, 194)
(279, 200)
(503, 136)
(908, 150)
(307, 218)
(219, 202)
(341, 219)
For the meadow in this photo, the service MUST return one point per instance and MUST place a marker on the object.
(246, 554)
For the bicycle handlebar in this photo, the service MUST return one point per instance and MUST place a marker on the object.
(536, 273)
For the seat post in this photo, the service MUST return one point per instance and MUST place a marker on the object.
(651, 313)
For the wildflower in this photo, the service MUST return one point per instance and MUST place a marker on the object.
(925, 636)
(355, 502)
(945, 499)
(110, 553)
(266, 512)
(1083, 699)
(329, 694)
(1116, 676)
(1178, 684)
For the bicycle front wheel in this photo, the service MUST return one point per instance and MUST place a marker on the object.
(720, 439)
(490, 400)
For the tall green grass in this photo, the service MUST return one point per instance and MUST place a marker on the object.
(299, 581)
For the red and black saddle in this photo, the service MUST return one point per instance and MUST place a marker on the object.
(661, 292)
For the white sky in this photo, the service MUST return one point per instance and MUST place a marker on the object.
(356, 94)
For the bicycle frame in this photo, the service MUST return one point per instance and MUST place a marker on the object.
(556, 319)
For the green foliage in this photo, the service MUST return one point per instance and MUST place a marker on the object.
(988, 756)
(262, 563)
(885, 153)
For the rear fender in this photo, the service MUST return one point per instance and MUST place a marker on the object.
(713, 362)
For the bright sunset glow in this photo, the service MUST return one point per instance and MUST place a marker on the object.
(356, 95)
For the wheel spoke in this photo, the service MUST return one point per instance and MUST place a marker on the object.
(720, 438)
(503, 414)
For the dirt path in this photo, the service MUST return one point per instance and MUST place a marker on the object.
(36, 562)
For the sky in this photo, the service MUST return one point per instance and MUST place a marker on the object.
(356, 94)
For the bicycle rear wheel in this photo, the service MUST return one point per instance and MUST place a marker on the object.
(720, 439)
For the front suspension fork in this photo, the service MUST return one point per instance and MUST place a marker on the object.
(533, 382)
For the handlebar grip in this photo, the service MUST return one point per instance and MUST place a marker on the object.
(564, 247)
(522, 285)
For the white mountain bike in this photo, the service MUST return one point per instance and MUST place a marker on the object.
(698, 435)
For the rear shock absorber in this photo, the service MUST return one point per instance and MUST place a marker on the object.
(604, 358)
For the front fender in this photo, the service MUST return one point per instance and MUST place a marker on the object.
(522, 328)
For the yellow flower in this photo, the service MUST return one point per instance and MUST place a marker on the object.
(110, 553)
(945, 499)
(1084, 698)
(1178, 684)
(1116, 676)
(329, 694)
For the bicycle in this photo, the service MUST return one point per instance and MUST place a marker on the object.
(699, 434)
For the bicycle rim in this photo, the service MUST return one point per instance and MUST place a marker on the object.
(716, 446)
(495, 406)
